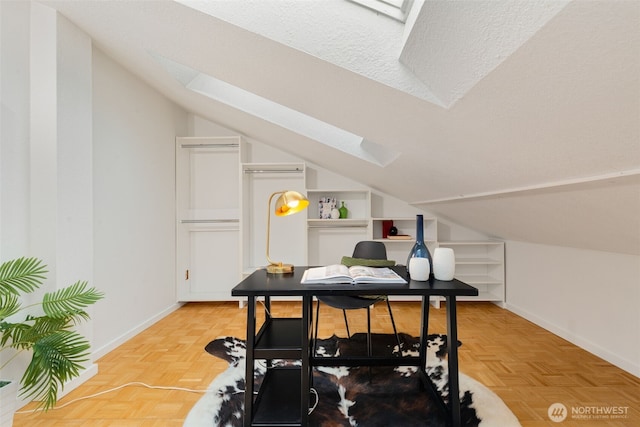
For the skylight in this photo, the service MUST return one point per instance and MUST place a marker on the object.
(396, 9)
(278, 114)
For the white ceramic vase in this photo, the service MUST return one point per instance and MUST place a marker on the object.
(444, 263)
(419, 269)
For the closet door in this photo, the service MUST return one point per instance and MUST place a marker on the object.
(208, 218)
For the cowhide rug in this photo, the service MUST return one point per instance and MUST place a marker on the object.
(382, 396)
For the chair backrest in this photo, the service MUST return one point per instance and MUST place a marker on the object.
(370, 250)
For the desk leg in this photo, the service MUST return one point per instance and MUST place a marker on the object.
(424, 332)
(248, 378)
(452, 351)
(306, 368)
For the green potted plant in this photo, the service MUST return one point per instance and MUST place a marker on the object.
(46, 329)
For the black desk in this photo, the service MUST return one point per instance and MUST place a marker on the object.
(280, 403)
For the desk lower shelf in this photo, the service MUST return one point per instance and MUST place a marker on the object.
(279, 339)
(278, 401)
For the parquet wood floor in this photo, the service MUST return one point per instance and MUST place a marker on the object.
(528, 367)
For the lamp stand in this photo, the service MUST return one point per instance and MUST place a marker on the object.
(279, 268)
(288, 203)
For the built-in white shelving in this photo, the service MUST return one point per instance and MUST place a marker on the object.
(481, 264)
(222, 222)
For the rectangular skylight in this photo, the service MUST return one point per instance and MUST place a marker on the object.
(278, 114)
(396, 9)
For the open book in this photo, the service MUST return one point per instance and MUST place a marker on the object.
(339, 273)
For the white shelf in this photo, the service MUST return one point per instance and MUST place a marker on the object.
(357, 202)
(477, 261)
(480, 264)
(478, 279)
(333, 223)
(482, 296)
(227, 223)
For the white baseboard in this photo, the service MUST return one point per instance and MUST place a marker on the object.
(78, 381)
(112, 345)
(632, 367)
(85, 375)
(96, 354)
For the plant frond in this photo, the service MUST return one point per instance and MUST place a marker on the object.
(44, 326)
(71, 299)
(21, 275)
(9, 305)
(56, 359)
(15, 335)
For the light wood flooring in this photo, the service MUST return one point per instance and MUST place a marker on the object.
(528, 367)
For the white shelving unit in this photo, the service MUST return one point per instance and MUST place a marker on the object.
(221, 224)
(397, 249)
(208, 217)
(331, 239)
(481, 264)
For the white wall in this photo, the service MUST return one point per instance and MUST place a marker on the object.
(134, 132)
(87, 171)
(47, 206)
(14, 129)
(588, 297)
(14, 143)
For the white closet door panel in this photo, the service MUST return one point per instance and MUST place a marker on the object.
(212, 180)
(213, 273)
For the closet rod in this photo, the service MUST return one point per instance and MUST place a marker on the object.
(230, 145)
(273, 170)
(342, 227)
(207, 221)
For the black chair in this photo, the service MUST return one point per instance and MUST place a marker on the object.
(364, 250)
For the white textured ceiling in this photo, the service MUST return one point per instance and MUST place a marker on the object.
(534, 117)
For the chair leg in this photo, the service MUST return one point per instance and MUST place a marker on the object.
(315, 335)
(395, 331)
(369, 344)
(346, 323)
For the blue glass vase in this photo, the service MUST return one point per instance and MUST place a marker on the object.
(420, 249)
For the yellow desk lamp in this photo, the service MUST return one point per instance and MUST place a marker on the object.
(289, 202)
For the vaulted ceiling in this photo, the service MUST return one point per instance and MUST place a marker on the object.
(518, 119)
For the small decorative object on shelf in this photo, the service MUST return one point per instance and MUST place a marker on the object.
(343, 211)
(387, 226)
(325, 207)
(419, 269)
(393, 231)
(335, 213)
(444, 263)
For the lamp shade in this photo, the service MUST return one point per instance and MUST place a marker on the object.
(290, 202)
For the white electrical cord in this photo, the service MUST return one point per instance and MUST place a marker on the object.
(265, 307)
(135, 383)
(315, 404)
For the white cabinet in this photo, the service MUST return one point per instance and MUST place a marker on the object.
(208, 217)
(481, 264)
